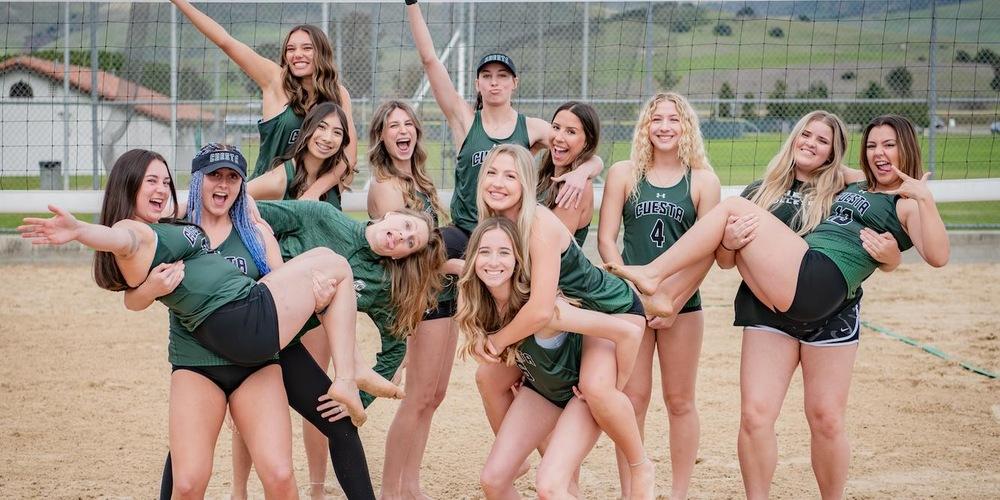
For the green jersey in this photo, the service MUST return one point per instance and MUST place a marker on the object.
(788, 206)
(332, 196)
(551, 372)
(276, 136)
(655, 219)
(838, 237)
(470, 158)
(593, 287)
(301, 225)
(209, 281)
(184, 349)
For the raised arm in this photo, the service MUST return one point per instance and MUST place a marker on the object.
(920, 218)
(458, 112)
(352, 133)
(123, 240)
(615, 192)
(325, 182)
(575, 183)
(263, 71)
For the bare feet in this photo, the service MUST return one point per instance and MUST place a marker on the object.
(643, 480)
(371, 382)
(657, 305)
(345, 391)
(636, 274)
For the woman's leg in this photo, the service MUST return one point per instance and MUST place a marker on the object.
(613, 410)
(314, 441)
(638, 390)
(242, 463)
(826, 377)
(291, 286)
(775, 252)
(304, 383)
(260, 412)
(679, 349)
(494, 382)
(529, 419)
(574, 436)
(431, 356)
(197, 408)
(767, 362)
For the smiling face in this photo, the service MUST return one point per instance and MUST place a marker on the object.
(398, 235)
(399, 135)
(882, 153)
(812, 149)
(568, 138)
(154, 193)
(500, 185)
(665, 127)
(495, 259)
(219, 190)
(326, 140)
(300, 54)
(496, 84)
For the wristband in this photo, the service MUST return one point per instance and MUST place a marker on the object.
(410, 2)
(723, 245)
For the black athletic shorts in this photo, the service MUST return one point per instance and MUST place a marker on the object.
(843, 328)
(455, 241)
(227, 378)
(444, 309)
(820, 289)
(636, 308)
(243, 331)
(525, 384)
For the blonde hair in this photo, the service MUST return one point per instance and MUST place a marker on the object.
(416, 281)
(381, 162)
(819, 189)
(478, 314)
(527, 176)
(690, 146)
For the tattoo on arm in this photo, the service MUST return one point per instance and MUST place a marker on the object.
(133, 246)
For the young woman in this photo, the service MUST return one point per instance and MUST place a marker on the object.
(798, 186)
(658, 194)
(494, 285)
(576, 132)
(400, 180)
(304, 77)
(212, 297)
(809, 279)
(478, 129)
(315, 162)
(553, 261)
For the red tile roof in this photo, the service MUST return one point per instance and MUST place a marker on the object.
(109, 87)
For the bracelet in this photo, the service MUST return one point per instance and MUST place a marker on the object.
(323, 310)
(410, 2)
(723, 245)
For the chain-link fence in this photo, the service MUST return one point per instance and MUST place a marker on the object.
(750, 68)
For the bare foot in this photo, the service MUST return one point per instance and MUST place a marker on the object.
(371, 382)
(657, 305)
(345, 391)
(643, 480)
(635, 274)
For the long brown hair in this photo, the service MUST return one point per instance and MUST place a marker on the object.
(417, 279)
(325, 80)
(124, 182)
(300, 148)
(910, 162)
(381, 162)
(592, 135)
(478, 314)
(821, 187)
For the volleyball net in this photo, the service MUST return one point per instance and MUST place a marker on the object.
(750, 69)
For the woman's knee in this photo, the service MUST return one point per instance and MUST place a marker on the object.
(190, 483)
(491, 380)
(327, 259)
(494, 479)
(679, 404)
(277, 475)
(757, 416)
(825, 420)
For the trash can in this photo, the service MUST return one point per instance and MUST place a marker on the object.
(50, 173)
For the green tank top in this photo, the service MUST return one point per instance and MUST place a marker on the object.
(277, 134)
(788, 205)
(332, 196)
(838, 238)
(551, 372)
(655, 220)
(592, 286)
(184, 349)
(470, 158)
(209, 281)
(301, 225)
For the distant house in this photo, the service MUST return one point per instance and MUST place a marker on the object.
(32, 116)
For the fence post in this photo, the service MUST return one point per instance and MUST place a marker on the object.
(66, 96)
(96, 183)
(173, 85)
(648, 79)
(585, 62)
(932, 87)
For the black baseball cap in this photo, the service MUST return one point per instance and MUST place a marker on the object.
(211, 161)
(497, 58)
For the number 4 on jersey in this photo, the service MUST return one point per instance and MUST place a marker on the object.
(657, 233)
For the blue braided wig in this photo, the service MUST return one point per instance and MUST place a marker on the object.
(240, 215)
